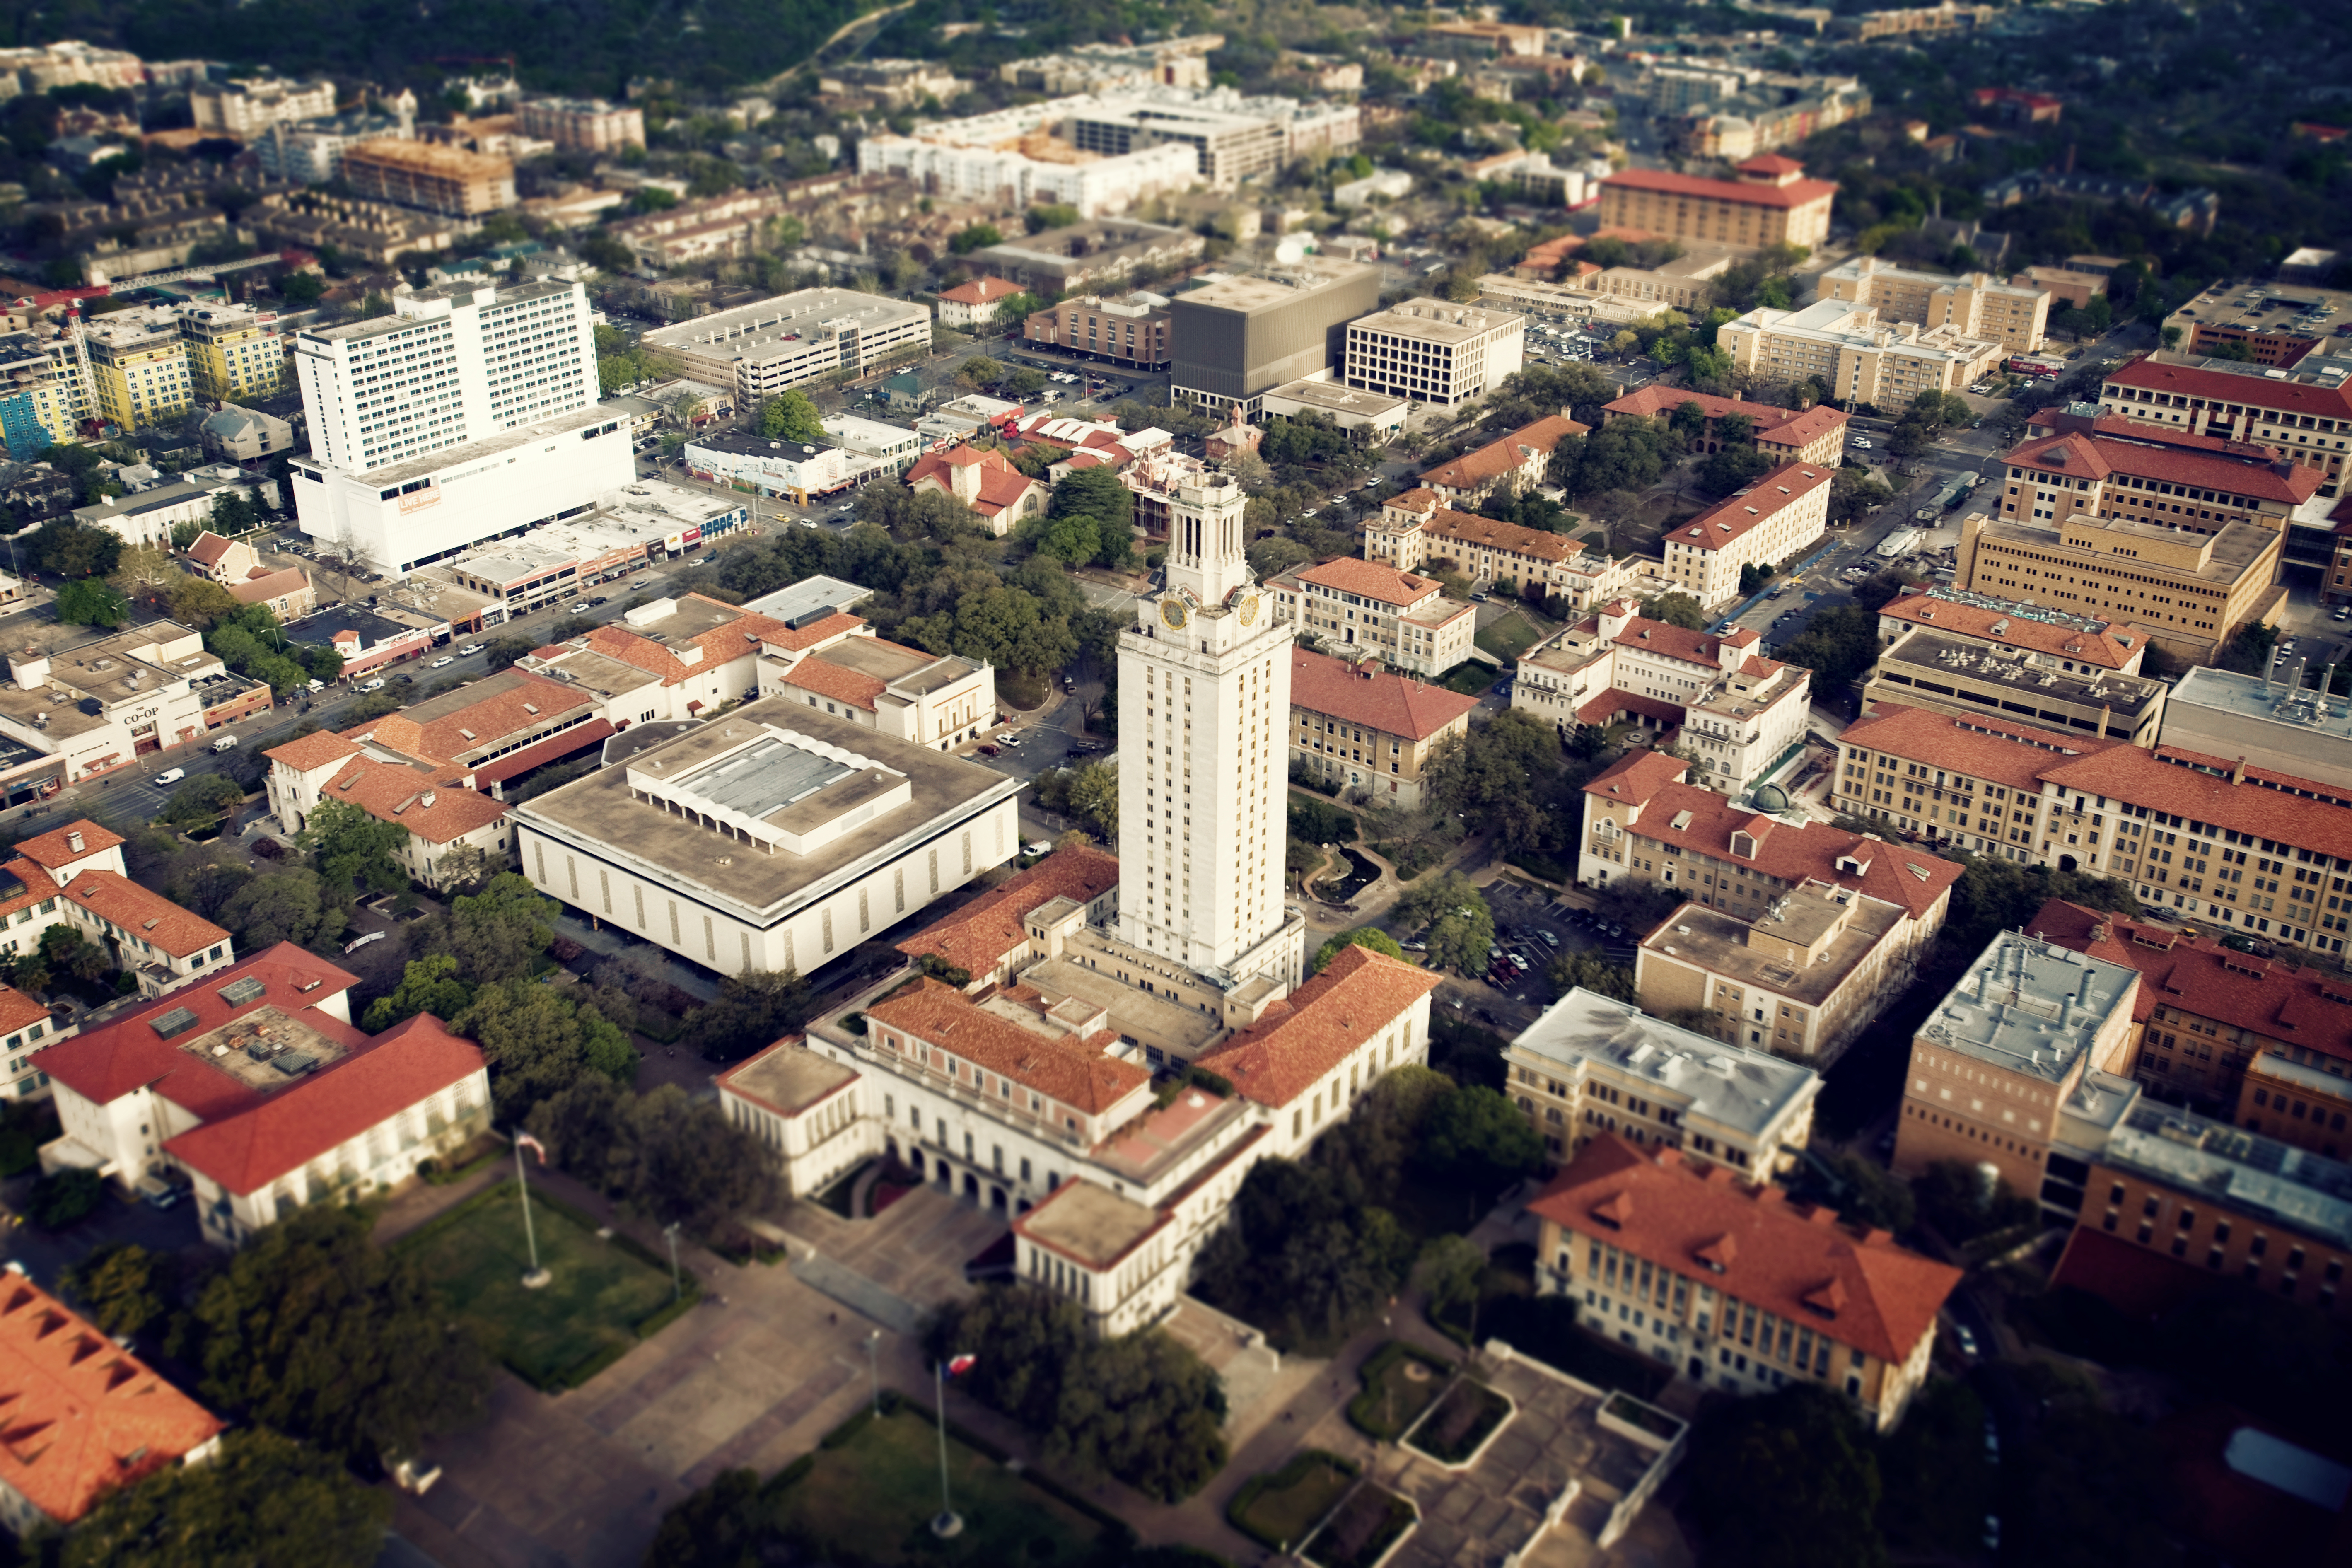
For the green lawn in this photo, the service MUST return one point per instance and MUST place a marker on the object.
(586, 1316)
(1364, 1531)
(1508, 635)
(1470, 680)
(871, 1500)
(1281, 1507)
(1457, 1427)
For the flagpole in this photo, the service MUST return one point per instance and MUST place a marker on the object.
(946, 1525)
(538, 1276)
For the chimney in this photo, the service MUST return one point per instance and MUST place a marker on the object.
(74, 841)
(2237, 773)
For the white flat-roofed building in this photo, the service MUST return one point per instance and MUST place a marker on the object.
(1861, 359)
(761, 349)
(104, 703)
(882, 446)
(2281, 725)
(1098, 187)
(775, 838)
(400, 517)
(1974, 303)
(148, 517)
(1591, 1063)
(1378, 412)
(1433, 351)
(808, 594)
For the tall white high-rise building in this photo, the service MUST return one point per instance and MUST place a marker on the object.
(448, 366)
(1204, 701)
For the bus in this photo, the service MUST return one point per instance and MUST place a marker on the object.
(2041, 366)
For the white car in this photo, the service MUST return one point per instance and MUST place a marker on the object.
(375, 685)
(470, 650)
(358, 942)
(581, 608)
(226, 744)
(171, 776)
(445, 660)
(1036, 847)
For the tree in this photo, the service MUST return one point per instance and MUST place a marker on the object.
(146, 571)
(65, 1197)
(428, 985)
(790, 416)
(1585, 967)
(1450, 1268)
(495, 934)
(1953, 1197)
(1727, 471)
(1094, 797)
(291, 905)
(66, 548)
(726, 1524)
(1837, 644)
(1479, 1138)
(976, 236)
(91, 602)
(199, 602)
(1461, 926)
(1873, 1195)
(1675, 610)
(1370, 937)
(261, 1502)
(1855, 494)
(205, 799)
(352, 849)
(314, 1330)
(1145, 1409)
(1050, 215)
(754, 1010)
(1787, 1480)
(65, 951)
(662, 1155)
(539, 1041)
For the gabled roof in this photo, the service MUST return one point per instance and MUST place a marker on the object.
(1301, 1038)
(510, 703)
(979, 291)
(2197, 786)
(1353, 575)
(2079, 455)
(2111, 646)
(1791, 1259)
(2253, 389)
(1636, 776)
(2017, 756)
(853, 687)
(104, 1064)
(975, 937)
(1765, 497)
(50, 850)
(289, 1127)
(1391, 703)
(208, 548)
(142, 914)
(1469, 528)
(267, 585)
(318, 749)
(1076, 1073)
(1504, 456)
(1001, 488)
(436, 813)
(1796, 194)
(18, 1011)
(83, 1416)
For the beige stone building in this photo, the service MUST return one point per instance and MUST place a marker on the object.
(1859, 357)
(1356, 609)
(1368, 730)
(445, 180)
(1417, 527)
(1592, 1065)
(1775, 520)
(1770, 204)
(1433, 351)
(1800, 979)
(1973, 303)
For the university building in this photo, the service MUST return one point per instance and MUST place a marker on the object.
(1815, 435)
(1772, 522)
(2306, 417)
(1420, 527)
(1953, 673)
(1974, 303)
(1432, 352)
(1733, 1286)
(1769, 203)
(1365, 608)
(1368, 729)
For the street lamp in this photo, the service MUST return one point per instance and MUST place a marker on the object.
(873, 1366)
(677, 1284)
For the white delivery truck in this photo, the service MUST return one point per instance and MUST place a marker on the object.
(1900, 543)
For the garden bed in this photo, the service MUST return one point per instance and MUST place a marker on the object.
(1370, 1522)
(1400, 1382)
(1454, 1432)
(1284, 1507)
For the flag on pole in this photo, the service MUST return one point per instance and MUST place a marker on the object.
(958, 1365)
(525, 1141)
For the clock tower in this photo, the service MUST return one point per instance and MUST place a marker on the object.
(1204, 718)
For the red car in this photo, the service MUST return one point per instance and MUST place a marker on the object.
(989, 751)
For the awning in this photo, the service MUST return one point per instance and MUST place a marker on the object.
(560, 744)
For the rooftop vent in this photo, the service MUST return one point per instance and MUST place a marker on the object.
(176, 1022)
(243, 989)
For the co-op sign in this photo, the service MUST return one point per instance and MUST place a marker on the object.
(686, 539)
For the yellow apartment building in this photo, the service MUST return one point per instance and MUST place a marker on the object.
(139, 369)
(231, 354)
(1973, 303)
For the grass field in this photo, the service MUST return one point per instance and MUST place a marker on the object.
(588, 1311)
(1470, 680)
(1281, 1507)
(1508, 635)
(874, 1495)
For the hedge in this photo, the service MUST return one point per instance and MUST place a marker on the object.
(1290, 1475)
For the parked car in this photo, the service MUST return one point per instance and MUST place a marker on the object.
(226, 744)
(1550, 941)
(171, 776)
(1037, 846)
(581, 608)
(1965, 1340)
(470, 650)
(358, 942)
(445, 660)
(157, 1193)
(989, 751)
(375, 685)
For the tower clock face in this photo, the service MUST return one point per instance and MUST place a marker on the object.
(1249, 609)
(1173, 613)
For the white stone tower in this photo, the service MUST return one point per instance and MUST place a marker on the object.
(1203, 713)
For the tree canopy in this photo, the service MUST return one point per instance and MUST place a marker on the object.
(790, 416)
(1786, 1479)
(663, 1155)
(261, 1502)
(1371, 937)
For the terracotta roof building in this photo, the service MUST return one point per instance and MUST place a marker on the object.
(989, 937)
(2299, 412)
(257, 1086)
(1517, 461)
(1740, 716)
(287, 594)
(974, 302)
(2154, 475)
(85, 1415)
(1733, 1286)
(1772, 522)
(1364, 1009)
(77, 872)
(432, 799)
(1356, 609)
(2079, 643)
(983, 479)
(1953, 673)
(1770, 204)
(1368, 728)
(2264, 1043)
(1419, 528)
(1815, 435)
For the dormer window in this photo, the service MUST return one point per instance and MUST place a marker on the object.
(1743, 844)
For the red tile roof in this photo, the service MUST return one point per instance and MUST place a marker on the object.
(18, 1011)
(143, 914)
(1469, 528)
(979, 291)
(1798, 433)
(2112, 646)
(51, 851)
(1783, 427)
(976, 937)
(1911, 880)
(511, 703)
(209, 548)
(1767, 497)
(1504, 456)
(853, 687)
(1352, 574)
(1075, 1072)
(2254, 390)
(2174, 780)
(115, 1058)
(83, 1417)
(293, 1126)
(1770, 163)
(1615, 703)
(2016, 756)
(2140, 1281)
(1795, 194)
(436, 813)
(2102, 457)
(563, 743)
(320, 749)
(1636, 776)
(1784, 1257)
(1391, 703)
(1301, 1038)
(270, 586)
